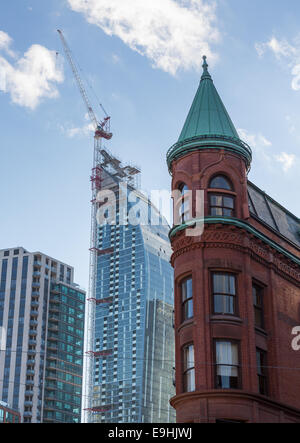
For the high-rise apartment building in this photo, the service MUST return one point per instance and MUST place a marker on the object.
(134, 336)
(41, 332)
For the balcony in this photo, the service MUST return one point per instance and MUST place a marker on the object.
(28, 403)
(35, 293)
(55, 290)
(29, 393)
(32, 342)
(30, 372)
(53, 308)
(53, 328)
(35, 304)
(31, 352)
(37, 263)
(53, 317)
(36, 285)
(36, 273)
(30, 362)
(29, 382)
(27, 414)
(32, 332)
(34, 313)
(51, 377)
(54, 299)
(52, 337)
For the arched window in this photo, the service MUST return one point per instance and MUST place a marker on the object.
(185, 205)
(221, 204)
(220, 182)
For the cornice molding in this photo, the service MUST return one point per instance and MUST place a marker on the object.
(231, 237)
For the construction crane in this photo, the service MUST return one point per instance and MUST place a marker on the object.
(102, 129)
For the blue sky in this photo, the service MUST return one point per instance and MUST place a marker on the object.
(144, 61)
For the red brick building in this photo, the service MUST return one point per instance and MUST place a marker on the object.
(237, 286)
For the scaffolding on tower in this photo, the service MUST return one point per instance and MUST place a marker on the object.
(102, 131)
(103, 160)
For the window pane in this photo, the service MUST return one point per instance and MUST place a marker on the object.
(258, 318)
(190, 381)
(188, 310)
(220, 182)
(218, 212)
(187, 289)
(218, 304)
(228, 202)
(226, 353)
(216, 200)
(229, 305)
(189, 357)
(220, 283)
(227, 371)
(227, 212)
(224, 283)
(231, 284)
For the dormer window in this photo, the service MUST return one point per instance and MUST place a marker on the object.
(221, 197)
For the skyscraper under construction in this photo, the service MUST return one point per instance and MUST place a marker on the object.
(133, 338)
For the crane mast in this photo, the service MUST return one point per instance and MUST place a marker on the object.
(102, 131)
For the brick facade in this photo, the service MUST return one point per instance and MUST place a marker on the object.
(248, 250)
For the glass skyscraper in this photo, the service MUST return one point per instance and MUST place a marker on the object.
(134, 335)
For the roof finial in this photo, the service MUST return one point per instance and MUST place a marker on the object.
(205, 74)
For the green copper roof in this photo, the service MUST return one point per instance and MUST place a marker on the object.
(208, 124)
(208, 115)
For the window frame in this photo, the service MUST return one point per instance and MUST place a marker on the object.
(224, 193)
(234, 296)
(263, 376)
(257, 308)
(188, 300)
(187, 370)
(223, 207)
(238, 366)
(184, 213)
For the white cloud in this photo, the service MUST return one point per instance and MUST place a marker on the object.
(283, 50)
(32, 77)
(287, 160)
(173, 34)
(260, 144)
(72, 132)
(5, 43)
(254, 140)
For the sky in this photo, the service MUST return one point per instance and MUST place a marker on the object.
(143, 60)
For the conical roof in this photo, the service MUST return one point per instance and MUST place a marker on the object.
(208, 125)
(208, 115)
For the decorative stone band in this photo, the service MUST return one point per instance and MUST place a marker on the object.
(209, 142)
(239, 224)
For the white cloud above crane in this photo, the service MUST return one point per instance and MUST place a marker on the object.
(31, 78)
(173, 34)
